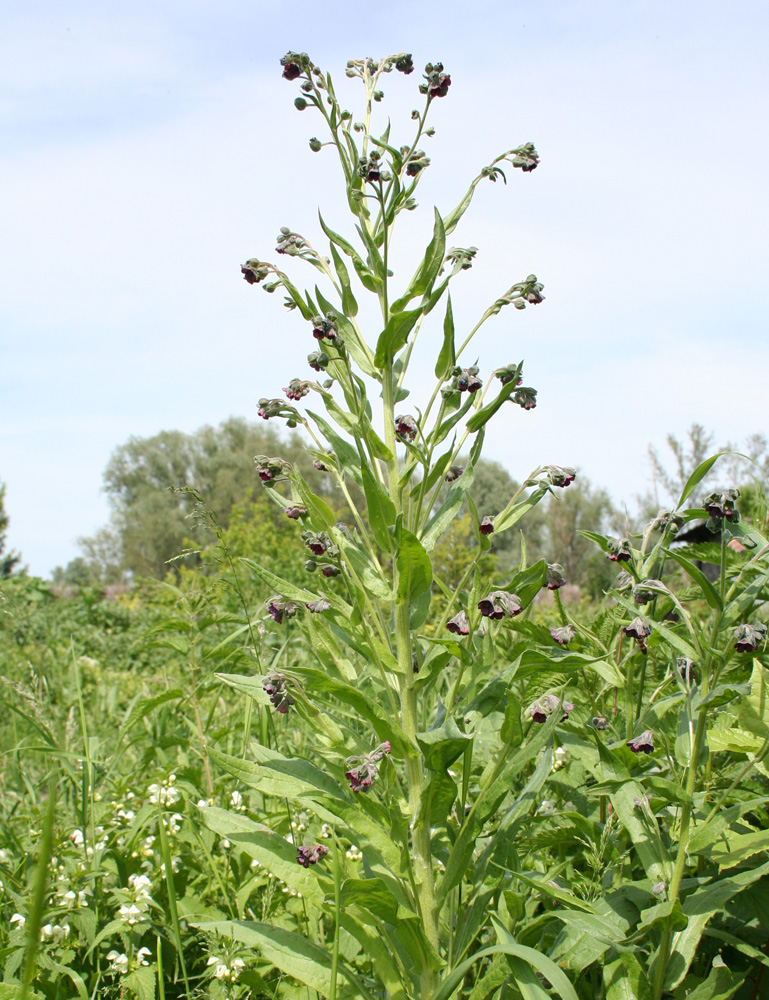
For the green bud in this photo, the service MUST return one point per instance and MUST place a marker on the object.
(315, 144)
(300, 104)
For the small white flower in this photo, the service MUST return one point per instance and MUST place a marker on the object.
(82, 897)
(325, 831)
(142, 956)
(77, 838)
(225, 844)
(236, 965)
(221, 970)
(202, 804)
(172, 796)
(118, 962)
(19, 920)
(130, 913)
(175, 822)
(236, 801)
(353, 854)
(4, 857)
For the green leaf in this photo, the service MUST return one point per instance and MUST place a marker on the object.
(385, 725)
(373, 895)
(291, 953)
(433, 259)
(516, 512)
(415, 572)
(442, 746)
(273, 774)
(448, 510)
(482, 416)
(626, 979)
(272, 851)
(277, 584)
(369, 937)
(141, 709)
(709, 592)
(349, 304)
(393, 338)
(381, 509)
(141, 983)
(753, 711)
(446, 357)
(528, 582)
(349, 460)
(697, 476)
(252, 686)
(721, 983)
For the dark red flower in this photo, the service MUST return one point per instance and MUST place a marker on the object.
(486, 527)
(643, 743)
(499, 604)
(545, 706)
(307, 856)
(458, 624)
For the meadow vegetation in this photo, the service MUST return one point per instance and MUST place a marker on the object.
(330, 723)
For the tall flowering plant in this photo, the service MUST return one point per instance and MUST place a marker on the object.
(394, 697)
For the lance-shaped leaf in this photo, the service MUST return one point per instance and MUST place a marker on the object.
(349, 460)
(429, 268)
(381, 509)
(517, 511)
(448, 510)
(292, 953)
(394, 336)
(274, 774)
(696, 477)
(447, 356)
(415, 571)
(709, 592)
(273, 852)
(482, 416)
(349, 304)
(277, 584)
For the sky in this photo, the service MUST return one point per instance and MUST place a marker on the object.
(148, 149)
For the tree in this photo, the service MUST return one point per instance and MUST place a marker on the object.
(150, 523)
(8, 560)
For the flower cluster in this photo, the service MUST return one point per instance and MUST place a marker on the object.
(466, 379)
(255, 270)
(454, 473)
(223, 969)
(278, 608)
(324, 327)
(747, 637)
(362, 770)
(499, 604)
(510, 373)
(296, 388)
(540, 710)
(619, 550)
(275, 686)
(406, 428)
(561, 476)
(318, 606)
(270, 469)
(416, 160)
(277, 408)
(307, 856)
(166, 793)
(290, 243)
(645, 592)
(295, 511)
(640, 630)
(318, 360)
(526, 158)
(722, 505)
(436, 83)
(371, 169)
(667, 520)
(295, 64)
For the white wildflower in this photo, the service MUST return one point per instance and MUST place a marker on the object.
(353, 854)
(118, 962)
(236, 801)
(130, 913)
(19, 920)
(77, 838)
(143, 956)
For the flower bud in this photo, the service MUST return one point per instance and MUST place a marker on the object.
(299, 103)
(296, 388)
(294, 511)
(275, 686)
(315, 145)
(319, 606)
(278, 608)
(330, 570)
(486, 527)
(645, 592)
(318, 360)
(619, 550)
(405, 64)
(599, 722)
(454, 473)
(255, 271)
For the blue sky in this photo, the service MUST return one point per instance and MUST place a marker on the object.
(148, 149)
